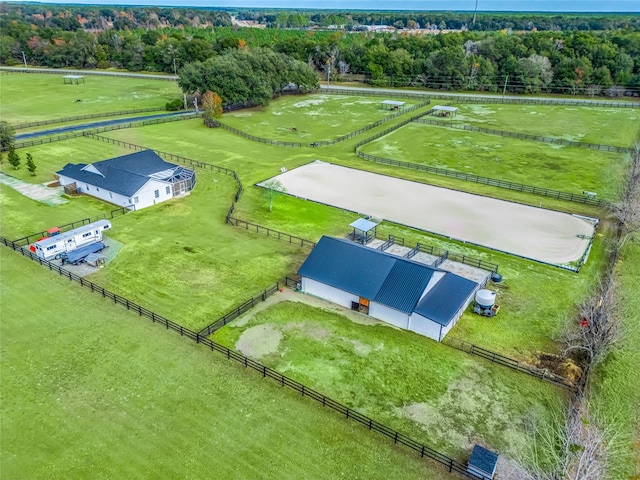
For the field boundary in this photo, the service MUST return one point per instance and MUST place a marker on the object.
(96, 73)
(320, 143)
(20, 126)
(452, 465)
(526, 136)
(494, 182)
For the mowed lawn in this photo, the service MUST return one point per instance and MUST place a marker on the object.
(568, 169)
(607, 126)
(443, 397)
(307, 118)
(51, 157)
(181, 260)
(34, 97)
(115, 396)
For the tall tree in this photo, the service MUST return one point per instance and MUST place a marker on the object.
(31, 166)
(13, 158)
(7, 135)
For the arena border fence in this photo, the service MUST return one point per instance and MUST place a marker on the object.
(21, 126)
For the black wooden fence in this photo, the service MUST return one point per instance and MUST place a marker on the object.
(21, 126)
(545, 192)
(269, 232)
(320, 143)
(23, 241)
(95, 73)
(526, 136)
(508, 362)
(534, 101)
(449, 463)
(241, 309)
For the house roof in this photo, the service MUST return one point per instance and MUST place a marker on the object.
(384, 278)
(446, 297)
(122, 175)
(483, 460)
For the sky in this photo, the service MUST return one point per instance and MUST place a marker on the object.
(427, 5)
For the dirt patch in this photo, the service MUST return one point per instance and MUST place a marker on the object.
(315, 332)
(259, 341)
(565, 367)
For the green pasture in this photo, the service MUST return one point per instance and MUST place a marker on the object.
(568, 169)
(181, 260)
(114, 396)
(308, 118)
(256, 162)
(616, 383)
(51, 157)
(606, 126)
(33, 97)
(440, 395)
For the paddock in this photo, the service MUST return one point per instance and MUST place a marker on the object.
(535, 233)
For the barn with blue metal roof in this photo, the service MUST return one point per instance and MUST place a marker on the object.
(398, 291)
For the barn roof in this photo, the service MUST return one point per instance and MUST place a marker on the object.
(384, 278)
(123, 175)
(446, 297)
(387, 279)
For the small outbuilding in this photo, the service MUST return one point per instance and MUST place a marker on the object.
(135, 181)
(398, 291)
(73, 79)
(363, 230)
(444, 110)
(482, 463)
(392, 104)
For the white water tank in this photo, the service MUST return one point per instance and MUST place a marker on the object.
(485, 298)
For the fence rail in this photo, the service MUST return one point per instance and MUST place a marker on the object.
(21, 126)
(545, 192)
(350, 414)
(169, 78)
(526, 136)
(241, 309)
(508, 362)
(23, 241)
(535, 101)
(320, 143)
(254, 227)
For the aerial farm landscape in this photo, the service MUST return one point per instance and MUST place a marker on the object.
(251, 266)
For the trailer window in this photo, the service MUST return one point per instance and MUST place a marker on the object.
(85, 235)
(157, 193)
(51, 247)
(168, 190)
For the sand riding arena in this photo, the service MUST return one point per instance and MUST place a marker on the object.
(535, 233)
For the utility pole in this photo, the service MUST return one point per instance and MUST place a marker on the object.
(475, 11)
(175, 70)
(24, 59)
(328, 74)
(504, 89)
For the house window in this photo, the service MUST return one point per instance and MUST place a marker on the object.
(168, 190)
(157, 193)
(97, 189)
(135, 199)
(87, 186)
(110, 195)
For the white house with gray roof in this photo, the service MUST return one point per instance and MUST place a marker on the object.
(134, 181)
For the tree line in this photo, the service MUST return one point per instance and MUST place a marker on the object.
(570, 62)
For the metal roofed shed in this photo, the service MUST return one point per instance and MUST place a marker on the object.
(392, 104)
(444, 110)
(404, 293)
(483, 462)
(72, 79)
(363, 230)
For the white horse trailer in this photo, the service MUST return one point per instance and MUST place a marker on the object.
(52, 247)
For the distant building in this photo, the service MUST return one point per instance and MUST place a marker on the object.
(401, 292)
(135, 181)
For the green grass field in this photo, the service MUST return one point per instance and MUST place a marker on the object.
(114, 396)
(607, 126)
(568, 169)
(413, 383)
(310, 117)
(33, 97)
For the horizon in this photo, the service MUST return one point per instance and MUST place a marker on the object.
(490, 6)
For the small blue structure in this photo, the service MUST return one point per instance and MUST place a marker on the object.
(482, 463)
(363, 230)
